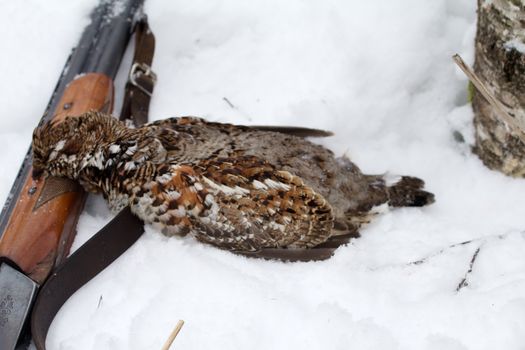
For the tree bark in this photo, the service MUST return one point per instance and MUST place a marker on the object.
(500, 64)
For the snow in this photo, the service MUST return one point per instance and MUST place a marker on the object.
(515, 44)
(380, 75)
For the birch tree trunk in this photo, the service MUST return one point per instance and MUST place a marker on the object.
(500, 63)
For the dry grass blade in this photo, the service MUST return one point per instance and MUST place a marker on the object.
(494, 102)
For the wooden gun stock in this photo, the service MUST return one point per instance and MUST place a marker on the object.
(42, 224)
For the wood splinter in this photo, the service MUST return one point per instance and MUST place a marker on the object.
(173, 335)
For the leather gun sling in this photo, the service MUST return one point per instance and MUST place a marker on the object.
(119, 234)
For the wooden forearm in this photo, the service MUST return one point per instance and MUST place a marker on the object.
(42, 225)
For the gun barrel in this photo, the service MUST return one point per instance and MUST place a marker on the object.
(101, 45)
(112, 38)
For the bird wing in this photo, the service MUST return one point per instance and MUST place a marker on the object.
(298, 131)
(250, 205)
(289, 130)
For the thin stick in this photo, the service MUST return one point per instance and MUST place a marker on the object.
(464, 281)
(173, 334)
(491, 99)
(228, 102)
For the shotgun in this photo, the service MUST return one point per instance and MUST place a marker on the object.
(37, 223)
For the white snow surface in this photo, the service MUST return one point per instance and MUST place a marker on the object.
(377, 73)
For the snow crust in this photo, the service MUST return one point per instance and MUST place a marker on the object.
(380, 75)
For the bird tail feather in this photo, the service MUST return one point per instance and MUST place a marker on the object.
(408, 192)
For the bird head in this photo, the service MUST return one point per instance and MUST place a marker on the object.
(64, 148)
(53, 144)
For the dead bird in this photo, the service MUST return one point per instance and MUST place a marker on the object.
(245, 189)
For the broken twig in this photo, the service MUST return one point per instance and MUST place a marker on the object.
(173, 335)
(464, 281)
(228, 102)
(441, 251)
